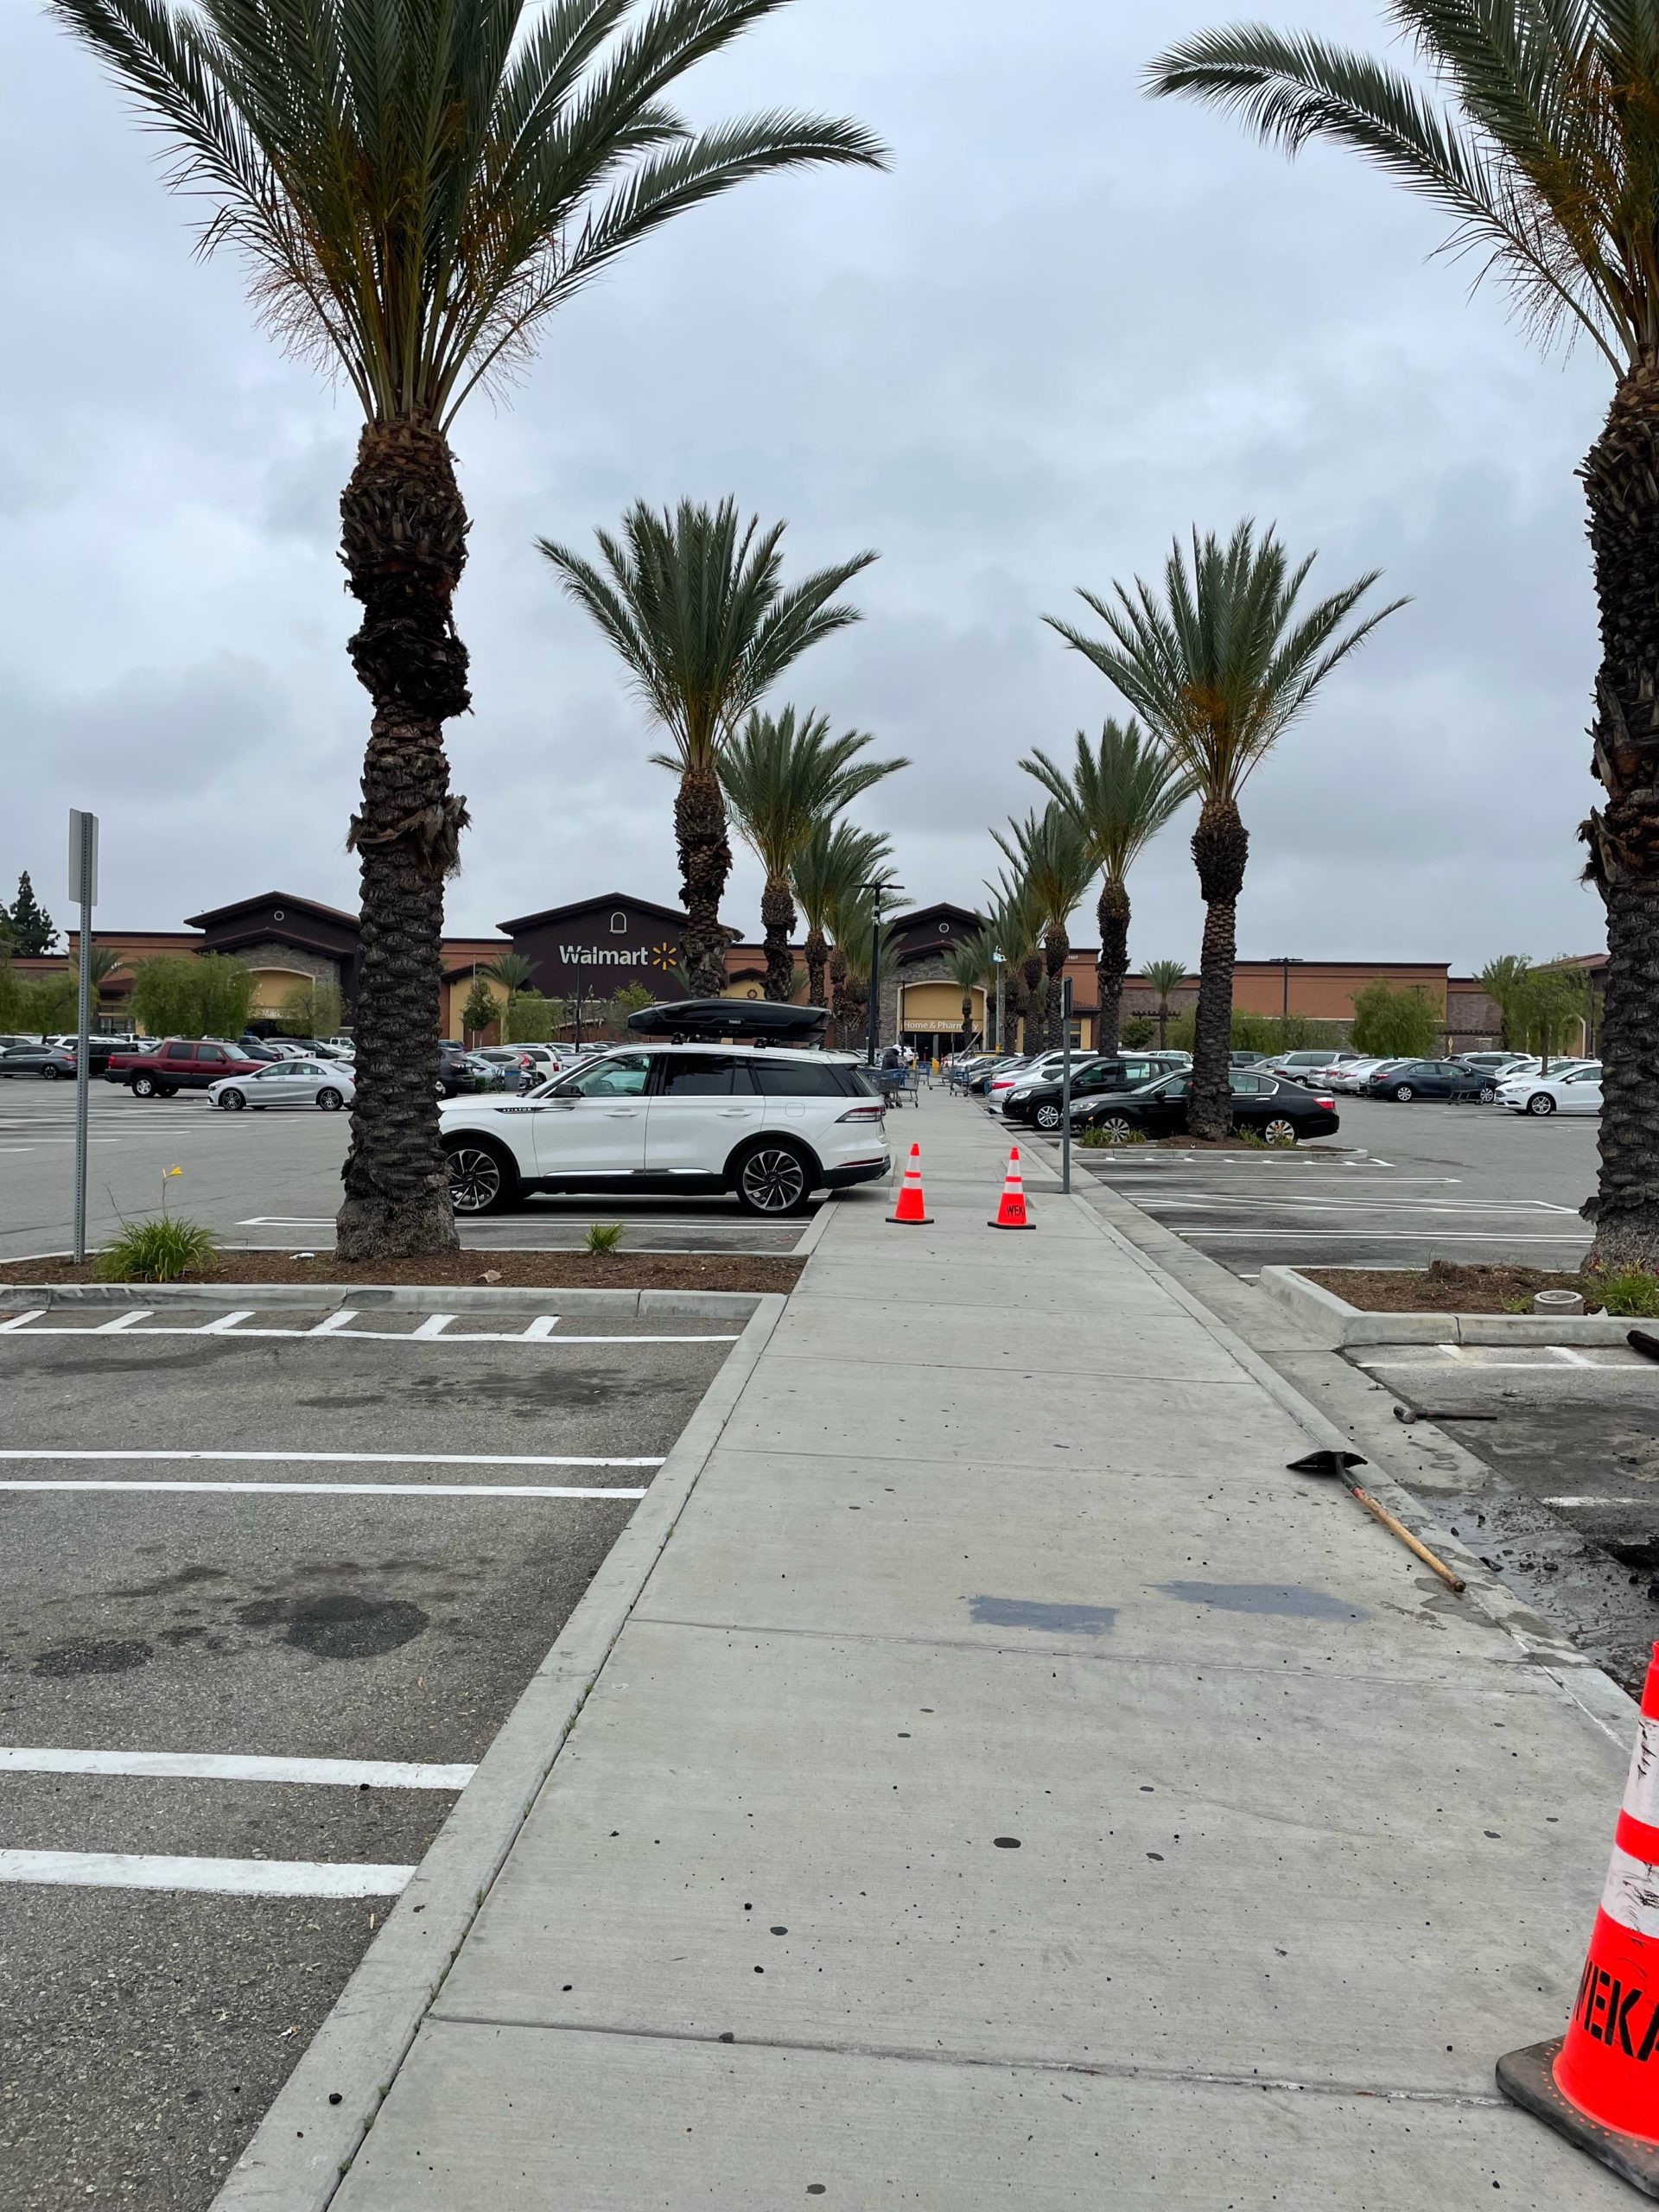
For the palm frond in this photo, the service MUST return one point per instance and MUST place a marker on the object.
(1220, 662)
(1538, 134)
(784, 774)
(416, 184)
(1121, 791)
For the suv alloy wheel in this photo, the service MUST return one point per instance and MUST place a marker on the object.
(481, 1180)
(773, 1178)
(144, 1086)
(1116, 1128)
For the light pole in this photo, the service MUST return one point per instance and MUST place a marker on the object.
(1001, 964)
(880, 889)
(83, 889)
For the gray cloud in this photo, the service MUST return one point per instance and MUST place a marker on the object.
(1068, 325)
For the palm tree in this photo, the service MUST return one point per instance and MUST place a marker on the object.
(1164, 977)
(1051, 854)
(852, 918)
(828, 868)
(1016, 927)
(1547, 159)
(970, 964)
(1218, 669)
(511, 970)
(782, 777)
(694, 605)
(1122, 792)
(417, 185)
(102, 962)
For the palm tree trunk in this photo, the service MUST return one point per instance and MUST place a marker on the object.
(1030, 1004)
(1221, 846)
(1163, 1019)
(705, 864)
(778, 921)
(1622, 835)
(967, 1020)
(817, 956)
(403, 542)
(1056, 948)
(1112, 914)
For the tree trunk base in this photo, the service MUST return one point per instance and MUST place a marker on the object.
(1629, 1239)
(375, 1228)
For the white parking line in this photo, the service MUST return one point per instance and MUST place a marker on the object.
(336, 1490)
(249, 1878)
(326, 1459)
(431, 1332)
(224, 1766)
(1567, 1504)
(1266, 1233)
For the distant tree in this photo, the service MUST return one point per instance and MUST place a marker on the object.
(103, 962)
(971, 967)
(313, 1009)
(207, 995)
(1053, 856)
(827, 871)
(33, 930)
(49, 1005)
(1164, 977)
(482, 1007)
(528, 1019)
(783, 775)
(511, 970)
(632, 998)
(1258, 1033)
(1403, 1025)
(1136, 1031)
(1504, 981)
(1558, 1010)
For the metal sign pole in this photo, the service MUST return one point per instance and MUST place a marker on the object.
(1065, 1085)
(83, 888)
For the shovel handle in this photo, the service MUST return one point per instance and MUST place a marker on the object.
(1400, 1529)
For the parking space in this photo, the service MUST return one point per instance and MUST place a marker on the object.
(273, 1180)
(273, 1581)
(1400, 1185)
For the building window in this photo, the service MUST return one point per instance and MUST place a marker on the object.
(945, 929)
(618, 924)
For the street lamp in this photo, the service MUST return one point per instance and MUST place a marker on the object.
(1285, 963)
(1002, 963)
(883, 887)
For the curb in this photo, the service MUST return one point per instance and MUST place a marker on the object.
(396, 1298)
(1339, 1324)
(305, 2143)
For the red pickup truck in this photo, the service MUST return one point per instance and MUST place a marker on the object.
(179, 1064)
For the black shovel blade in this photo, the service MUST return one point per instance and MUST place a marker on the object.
(1639, 1340)
(1325, 1463)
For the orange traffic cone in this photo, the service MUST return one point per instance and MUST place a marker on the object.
(1011, 1214)
(1599, 2084)
(912, 1207)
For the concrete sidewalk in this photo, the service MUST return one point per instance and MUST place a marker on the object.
(1014, 1789)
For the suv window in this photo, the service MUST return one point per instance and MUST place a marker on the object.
(798, 1079)
(214, 1055)
(622, 1078)
(178, 1052)
(703, 1075)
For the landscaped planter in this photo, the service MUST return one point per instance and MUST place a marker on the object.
(1339, 1324)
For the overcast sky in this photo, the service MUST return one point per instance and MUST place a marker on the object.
(1069, 323)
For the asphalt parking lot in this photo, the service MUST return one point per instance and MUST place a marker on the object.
(273, 1580)
(1399, 1185)
(272, 1180)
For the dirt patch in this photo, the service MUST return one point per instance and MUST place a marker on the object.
(1445, 1286)
(736, 1271)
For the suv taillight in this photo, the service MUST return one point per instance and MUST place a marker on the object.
(872, 1112)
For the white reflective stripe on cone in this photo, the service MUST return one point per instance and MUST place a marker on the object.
(1642, 1790)
(1632, 1897)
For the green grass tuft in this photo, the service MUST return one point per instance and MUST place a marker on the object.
(156, 1251)
(1631, 1291)
(604, 1235)
(1096, 1139)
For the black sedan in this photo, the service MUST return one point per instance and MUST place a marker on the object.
(48, 1060)
(1038, 1103)
(1408, 1079)
(1282, 1112)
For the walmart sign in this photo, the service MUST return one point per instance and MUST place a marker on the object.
(610, 955)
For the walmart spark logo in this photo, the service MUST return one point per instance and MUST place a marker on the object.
(665, 956)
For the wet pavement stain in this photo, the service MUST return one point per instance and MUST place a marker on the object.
(1031, 1612)
(1290, 1599)
(106, 1657)
(340, 1625)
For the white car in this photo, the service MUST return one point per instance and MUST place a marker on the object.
(1349, 1075)
(769, 1125)
(327, 1084)
(1310, 1068)
(1578, 1091)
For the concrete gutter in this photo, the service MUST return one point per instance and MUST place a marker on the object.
(1338, 1324)
(395, 1298)
(311, 2133)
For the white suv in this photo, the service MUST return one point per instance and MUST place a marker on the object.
(770, 1126)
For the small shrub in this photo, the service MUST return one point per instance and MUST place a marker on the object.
(156, 1251)
(1097, 1139)
(1631, 1291)
(604, 1235)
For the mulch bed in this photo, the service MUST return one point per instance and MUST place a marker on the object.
(499, 1270)
(1445, 1286)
